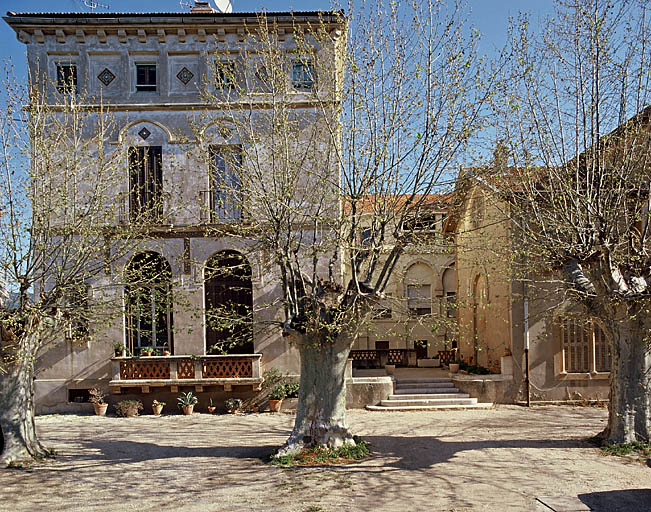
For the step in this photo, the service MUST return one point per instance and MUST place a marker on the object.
(427, 396)
(428, 407)
(431, 401)
(424, 391)
(421, 380)
(424, 384)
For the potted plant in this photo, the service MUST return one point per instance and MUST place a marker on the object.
(147, 351)
(97, 399)
(454, 366)
(157, 407)
(211, 407)
(119, 349)
(128, 408)
(166, 351)
(276, 397)
(187, 401)
(233, 405)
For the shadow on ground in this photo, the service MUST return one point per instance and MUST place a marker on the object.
(626, 500)
(432, 451)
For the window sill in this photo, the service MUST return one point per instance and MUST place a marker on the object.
(583, 376)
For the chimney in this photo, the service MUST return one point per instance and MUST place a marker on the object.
(201, 6)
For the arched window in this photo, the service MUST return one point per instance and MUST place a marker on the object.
(229, 304)
(148, 303)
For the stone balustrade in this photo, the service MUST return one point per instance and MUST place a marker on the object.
(199, 372)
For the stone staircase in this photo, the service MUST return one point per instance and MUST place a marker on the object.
(426, 394)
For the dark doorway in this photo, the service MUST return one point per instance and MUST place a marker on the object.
(229, 304)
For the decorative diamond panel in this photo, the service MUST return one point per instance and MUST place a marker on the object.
(185, 369)
(144, 370)
(447, 356)
(106, 76)
(396, 356)
(227, 368)
(144, 133)
(185, 75)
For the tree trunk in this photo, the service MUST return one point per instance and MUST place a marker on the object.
(20, 442)
(630, 379)
(321, 411)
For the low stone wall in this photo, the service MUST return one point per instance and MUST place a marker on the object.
(498, 389)
(363, 391)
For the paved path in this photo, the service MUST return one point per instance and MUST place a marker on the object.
(495, 460)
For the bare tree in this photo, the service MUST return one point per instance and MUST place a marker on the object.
(59, 173)
(575, 122)
(367, 127)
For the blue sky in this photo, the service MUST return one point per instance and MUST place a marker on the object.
(489, 16)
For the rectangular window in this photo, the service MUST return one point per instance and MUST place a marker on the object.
(419, 298)
(225, 75)
(381, 345)
(145, 77)
(145, 183)
(76, 311)
(585, 348)
(303, 75)
(226, 183)
(381, 313)
(66, 78)
(451, 304)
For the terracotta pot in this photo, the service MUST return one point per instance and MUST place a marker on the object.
(211, 409)
(167, 353)
(390, 368)
(158, 409)
(188, 409)
(274, 405)
(454, 367)
(255, 408)
(100, 409)
(235, 411)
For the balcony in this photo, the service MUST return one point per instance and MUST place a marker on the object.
(172, 372)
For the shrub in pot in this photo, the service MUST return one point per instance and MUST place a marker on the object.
(276, 397)
(119, 349)
(97, 399)
(233, 405)
(157, 407)
(147, 351)
(211, 407)
(128, 408)
(187, 401)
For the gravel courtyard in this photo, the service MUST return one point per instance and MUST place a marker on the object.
(499, 459)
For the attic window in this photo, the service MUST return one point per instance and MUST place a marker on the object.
(303, 75)
(145, 77)
(424, 222)
(66, 78)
